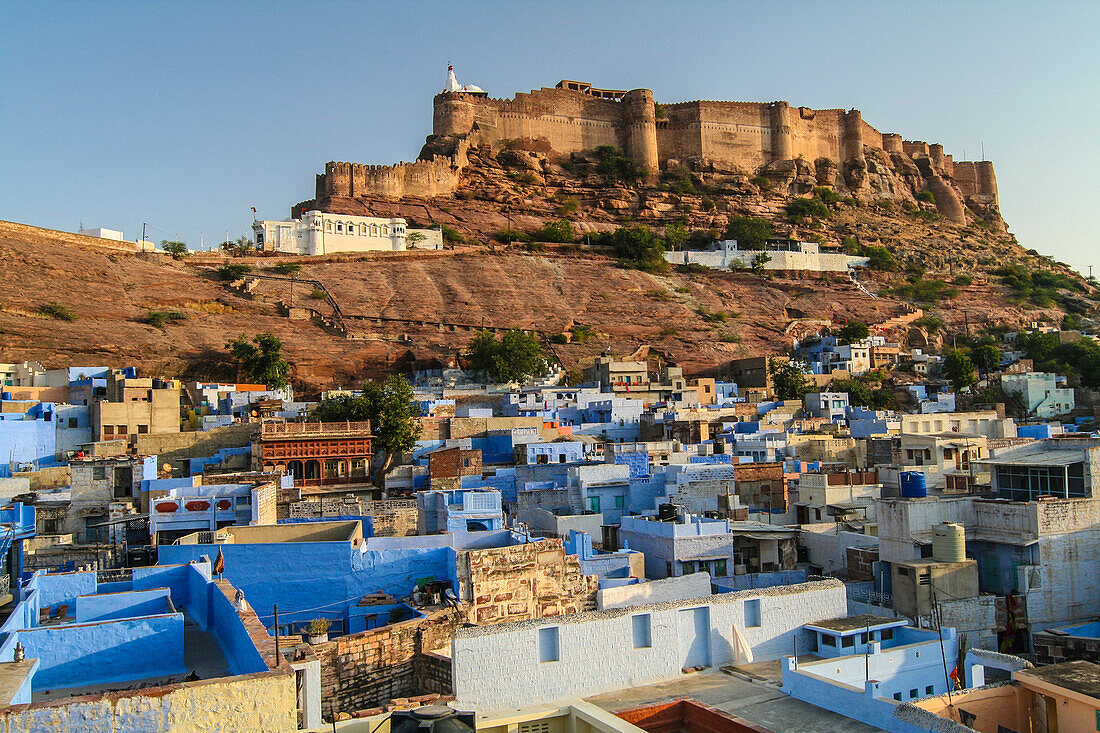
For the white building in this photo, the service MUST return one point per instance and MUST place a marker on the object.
(785, 255)
(321, 233)
(102, 233)
(540, 661)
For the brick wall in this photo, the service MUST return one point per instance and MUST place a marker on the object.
(532, 580)
(687, 714)
(367, 669)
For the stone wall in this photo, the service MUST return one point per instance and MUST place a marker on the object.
(1055, 648)
(738, 136)
(531, 580)
(367, 669)
(392, 517)
(174, 447)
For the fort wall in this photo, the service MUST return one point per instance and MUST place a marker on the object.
(743, 136)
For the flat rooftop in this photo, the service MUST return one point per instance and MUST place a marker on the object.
(857, 623)
(1079, 676)
(758, 701)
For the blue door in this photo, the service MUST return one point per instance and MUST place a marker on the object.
(695, 636)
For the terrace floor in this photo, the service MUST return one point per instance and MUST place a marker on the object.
(202, 655)
(749, 696)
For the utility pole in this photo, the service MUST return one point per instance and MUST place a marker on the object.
(276, 609)
(143, 225)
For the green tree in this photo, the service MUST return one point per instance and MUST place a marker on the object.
(261, 359)
(800, 209)
(853, 331)
(638, 247)
(958, 369)
(238, 247)
(759, 262)
(390, 408)
(675, 236)
(233, 271)
(414, 238)
(178, 250)
(750, 232)
(556, 231)
(986, 357)
(515, 357)
(788, 378)
(341, 407)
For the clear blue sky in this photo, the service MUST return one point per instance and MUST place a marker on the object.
(185, 115)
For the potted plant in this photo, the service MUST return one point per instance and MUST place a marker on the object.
(318, 631)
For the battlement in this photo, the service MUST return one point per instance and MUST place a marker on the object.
(575, 117)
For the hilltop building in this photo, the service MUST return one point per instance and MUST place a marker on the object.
(319, 233)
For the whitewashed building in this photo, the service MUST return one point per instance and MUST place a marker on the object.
(321, 233)
(780, 255)
(544, 660)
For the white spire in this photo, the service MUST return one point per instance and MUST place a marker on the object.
(452, 82)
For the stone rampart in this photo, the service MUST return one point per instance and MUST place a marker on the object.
(745, 136)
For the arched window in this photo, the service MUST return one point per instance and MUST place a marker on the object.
(328, 226)
(374, 230)
(339, 228)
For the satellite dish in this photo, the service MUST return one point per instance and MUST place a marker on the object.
(255, 413)
(167, 467)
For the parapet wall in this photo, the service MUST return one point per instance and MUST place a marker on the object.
(744, 136)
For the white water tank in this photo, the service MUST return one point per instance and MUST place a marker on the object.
(948, 542)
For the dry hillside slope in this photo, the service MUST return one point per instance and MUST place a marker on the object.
(415, 309)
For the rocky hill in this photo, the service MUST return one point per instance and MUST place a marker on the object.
(345, 318)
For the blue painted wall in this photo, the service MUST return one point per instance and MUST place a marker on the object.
(317, 579)
(74, 655)
(54, 590)
(237, 646)
(114, 606)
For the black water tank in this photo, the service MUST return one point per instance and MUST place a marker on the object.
(431, 719)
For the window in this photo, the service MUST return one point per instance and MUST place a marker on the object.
(121, 430)
(244, 500)
(718, 569)
(339, 228)
(561, 458)
(49, 526)
(928, 690)
(108, 431)
(897, 696)
(689, 567)
(847, 641)
(142, 429)
(99, 473)
(643, 632)
(620, 502)
(863, 638)
(912, 694)
(887, 634)
(752, 613)
(548, 644)
(72, 422)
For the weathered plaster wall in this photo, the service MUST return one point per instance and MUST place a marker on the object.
(525, 581)
(259, 702)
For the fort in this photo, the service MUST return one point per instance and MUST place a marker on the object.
(749, 138)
